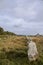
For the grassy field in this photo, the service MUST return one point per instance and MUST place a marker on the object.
(13, 50)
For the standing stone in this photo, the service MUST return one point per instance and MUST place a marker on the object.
(32, 51)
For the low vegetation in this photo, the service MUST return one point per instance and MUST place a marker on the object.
(13, 50)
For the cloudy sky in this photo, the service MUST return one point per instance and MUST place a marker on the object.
(22, 16)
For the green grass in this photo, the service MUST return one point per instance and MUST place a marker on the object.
(13, 50)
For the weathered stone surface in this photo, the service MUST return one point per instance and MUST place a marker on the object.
(32, 51)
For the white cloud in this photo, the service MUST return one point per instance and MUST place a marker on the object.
(22, 16)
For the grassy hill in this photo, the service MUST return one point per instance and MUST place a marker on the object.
(13, 50)
(2, 32)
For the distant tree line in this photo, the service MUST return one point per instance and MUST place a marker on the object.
(2, 32)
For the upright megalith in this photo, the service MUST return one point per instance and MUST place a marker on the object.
(32, 50)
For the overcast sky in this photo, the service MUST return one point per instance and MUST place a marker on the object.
(22, 16)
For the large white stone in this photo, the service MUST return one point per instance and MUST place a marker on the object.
(32, 51)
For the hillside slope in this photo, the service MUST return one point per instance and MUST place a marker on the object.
(13, 50)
